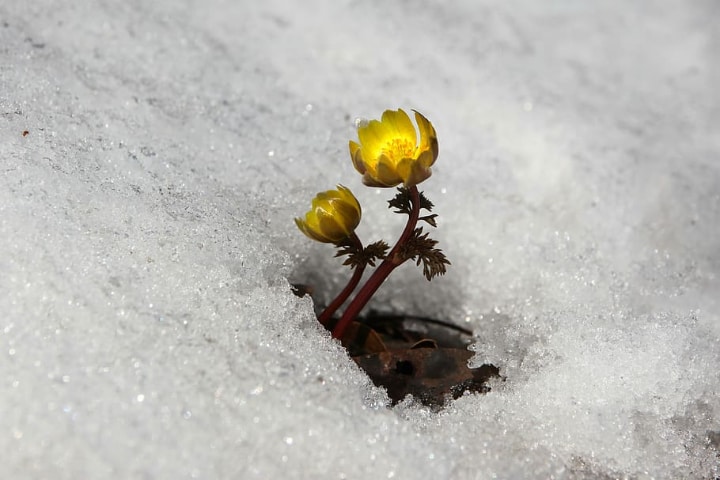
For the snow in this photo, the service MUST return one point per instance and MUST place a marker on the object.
(147, 326)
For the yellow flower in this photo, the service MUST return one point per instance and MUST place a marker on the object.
(334, 216)
(389, 154)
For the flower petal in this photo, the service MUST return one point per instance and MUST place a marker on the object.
(386, 172)
(347, 197)
(426, 159)
(319, 198)
(370, 181)
(372, 139)
(400, 124)
(301, 225)
(311, 220)
(428, 136)
(357, 158)
(348, 216)
(331, 228)
(418, 174)
(404, 168)
(305, 228)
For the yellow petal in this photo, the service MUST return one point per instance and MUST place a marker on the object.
(305, 228)
(404, 168)
(426, 159)
(330, 228)
(370, 181)
(320, 201)
(311, 221)
(372, 139)
(418, 174)
(400, 124)
(357, 158)
(386, 173)
(347, 197)
(428, 136)
(347, 216)
(300, 224)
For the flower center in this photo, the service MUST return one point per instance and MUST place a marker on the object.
(399, 148)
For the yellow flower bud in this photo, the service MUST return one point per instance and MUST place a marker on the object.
(389, 153)
(334, 216)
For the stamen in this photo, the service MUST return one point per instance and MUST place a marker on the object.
(399, 148)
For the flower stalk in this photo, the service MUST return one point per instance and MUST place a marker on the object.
(393, 260)
(326, 315)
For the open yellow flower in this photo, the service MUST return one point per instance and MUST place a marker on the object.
(389, 153)
(334, 216)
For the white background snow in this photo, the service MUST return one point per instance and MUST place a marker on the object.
(147, 329)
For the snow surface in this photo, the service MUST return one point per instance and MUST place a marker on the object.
(148, 329)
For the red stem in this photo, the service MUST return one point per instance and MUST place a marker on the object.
(327, 314)
(392, 261)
